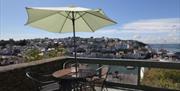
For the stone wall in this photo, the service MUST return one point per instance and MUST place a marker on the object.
(12, 77)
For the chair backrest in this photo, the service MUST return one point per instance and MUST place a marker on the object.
(104, 80)
(67, 64)
(99, 68)
(70, 63)
(36, 83)
(33, 76)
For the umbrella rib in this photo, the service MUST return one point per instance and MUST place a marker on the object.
(101, 17)
(64, 15)
(64, 22)
(80, 15)
(87, 23)
(41, 18)
(75, 15)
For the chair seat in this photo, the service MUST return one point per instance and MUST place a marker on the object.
(50, 87)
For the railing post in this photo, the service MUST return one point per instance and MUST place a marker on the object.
(139, 76)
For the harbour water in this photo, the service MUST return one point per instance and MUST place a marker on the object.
(169, 47)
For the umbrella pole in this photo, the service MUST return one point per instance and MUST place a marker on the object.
(74, 36)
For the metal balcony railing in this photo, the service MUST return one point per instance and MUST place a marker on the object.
(17, 81)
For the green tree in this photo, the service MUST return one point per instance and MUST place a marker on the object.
(51, 53)
(61, 51)
(33, 54)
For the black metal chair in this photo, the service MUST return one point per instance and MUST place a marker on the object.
(77, 83)
(42, 82)
(104, 79)
(98, 80)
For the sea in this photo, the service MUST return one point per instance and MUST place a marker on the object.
(169, 47)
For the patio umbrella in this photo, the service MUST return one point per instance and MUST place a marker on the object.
(67, 19)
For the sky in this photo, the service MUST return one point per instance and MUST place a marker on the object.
(149, 21)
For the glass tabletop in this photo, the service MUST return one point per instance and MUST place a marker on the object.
(70, 73)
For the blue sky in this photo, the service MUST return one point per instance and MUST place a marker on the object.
(149, 21)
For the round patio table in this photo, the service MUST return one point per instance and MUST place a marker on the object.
(69, 79)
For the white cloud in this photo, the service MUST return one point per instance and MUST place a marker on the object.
(136, 36)
(148, 31)
(169, 24)
(161, 39)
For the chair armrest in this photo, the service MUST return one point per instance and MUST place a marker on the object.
(48, 75)
(47, 82)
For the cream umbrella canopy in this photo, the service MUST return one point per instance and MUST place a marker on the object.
(67, 19)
